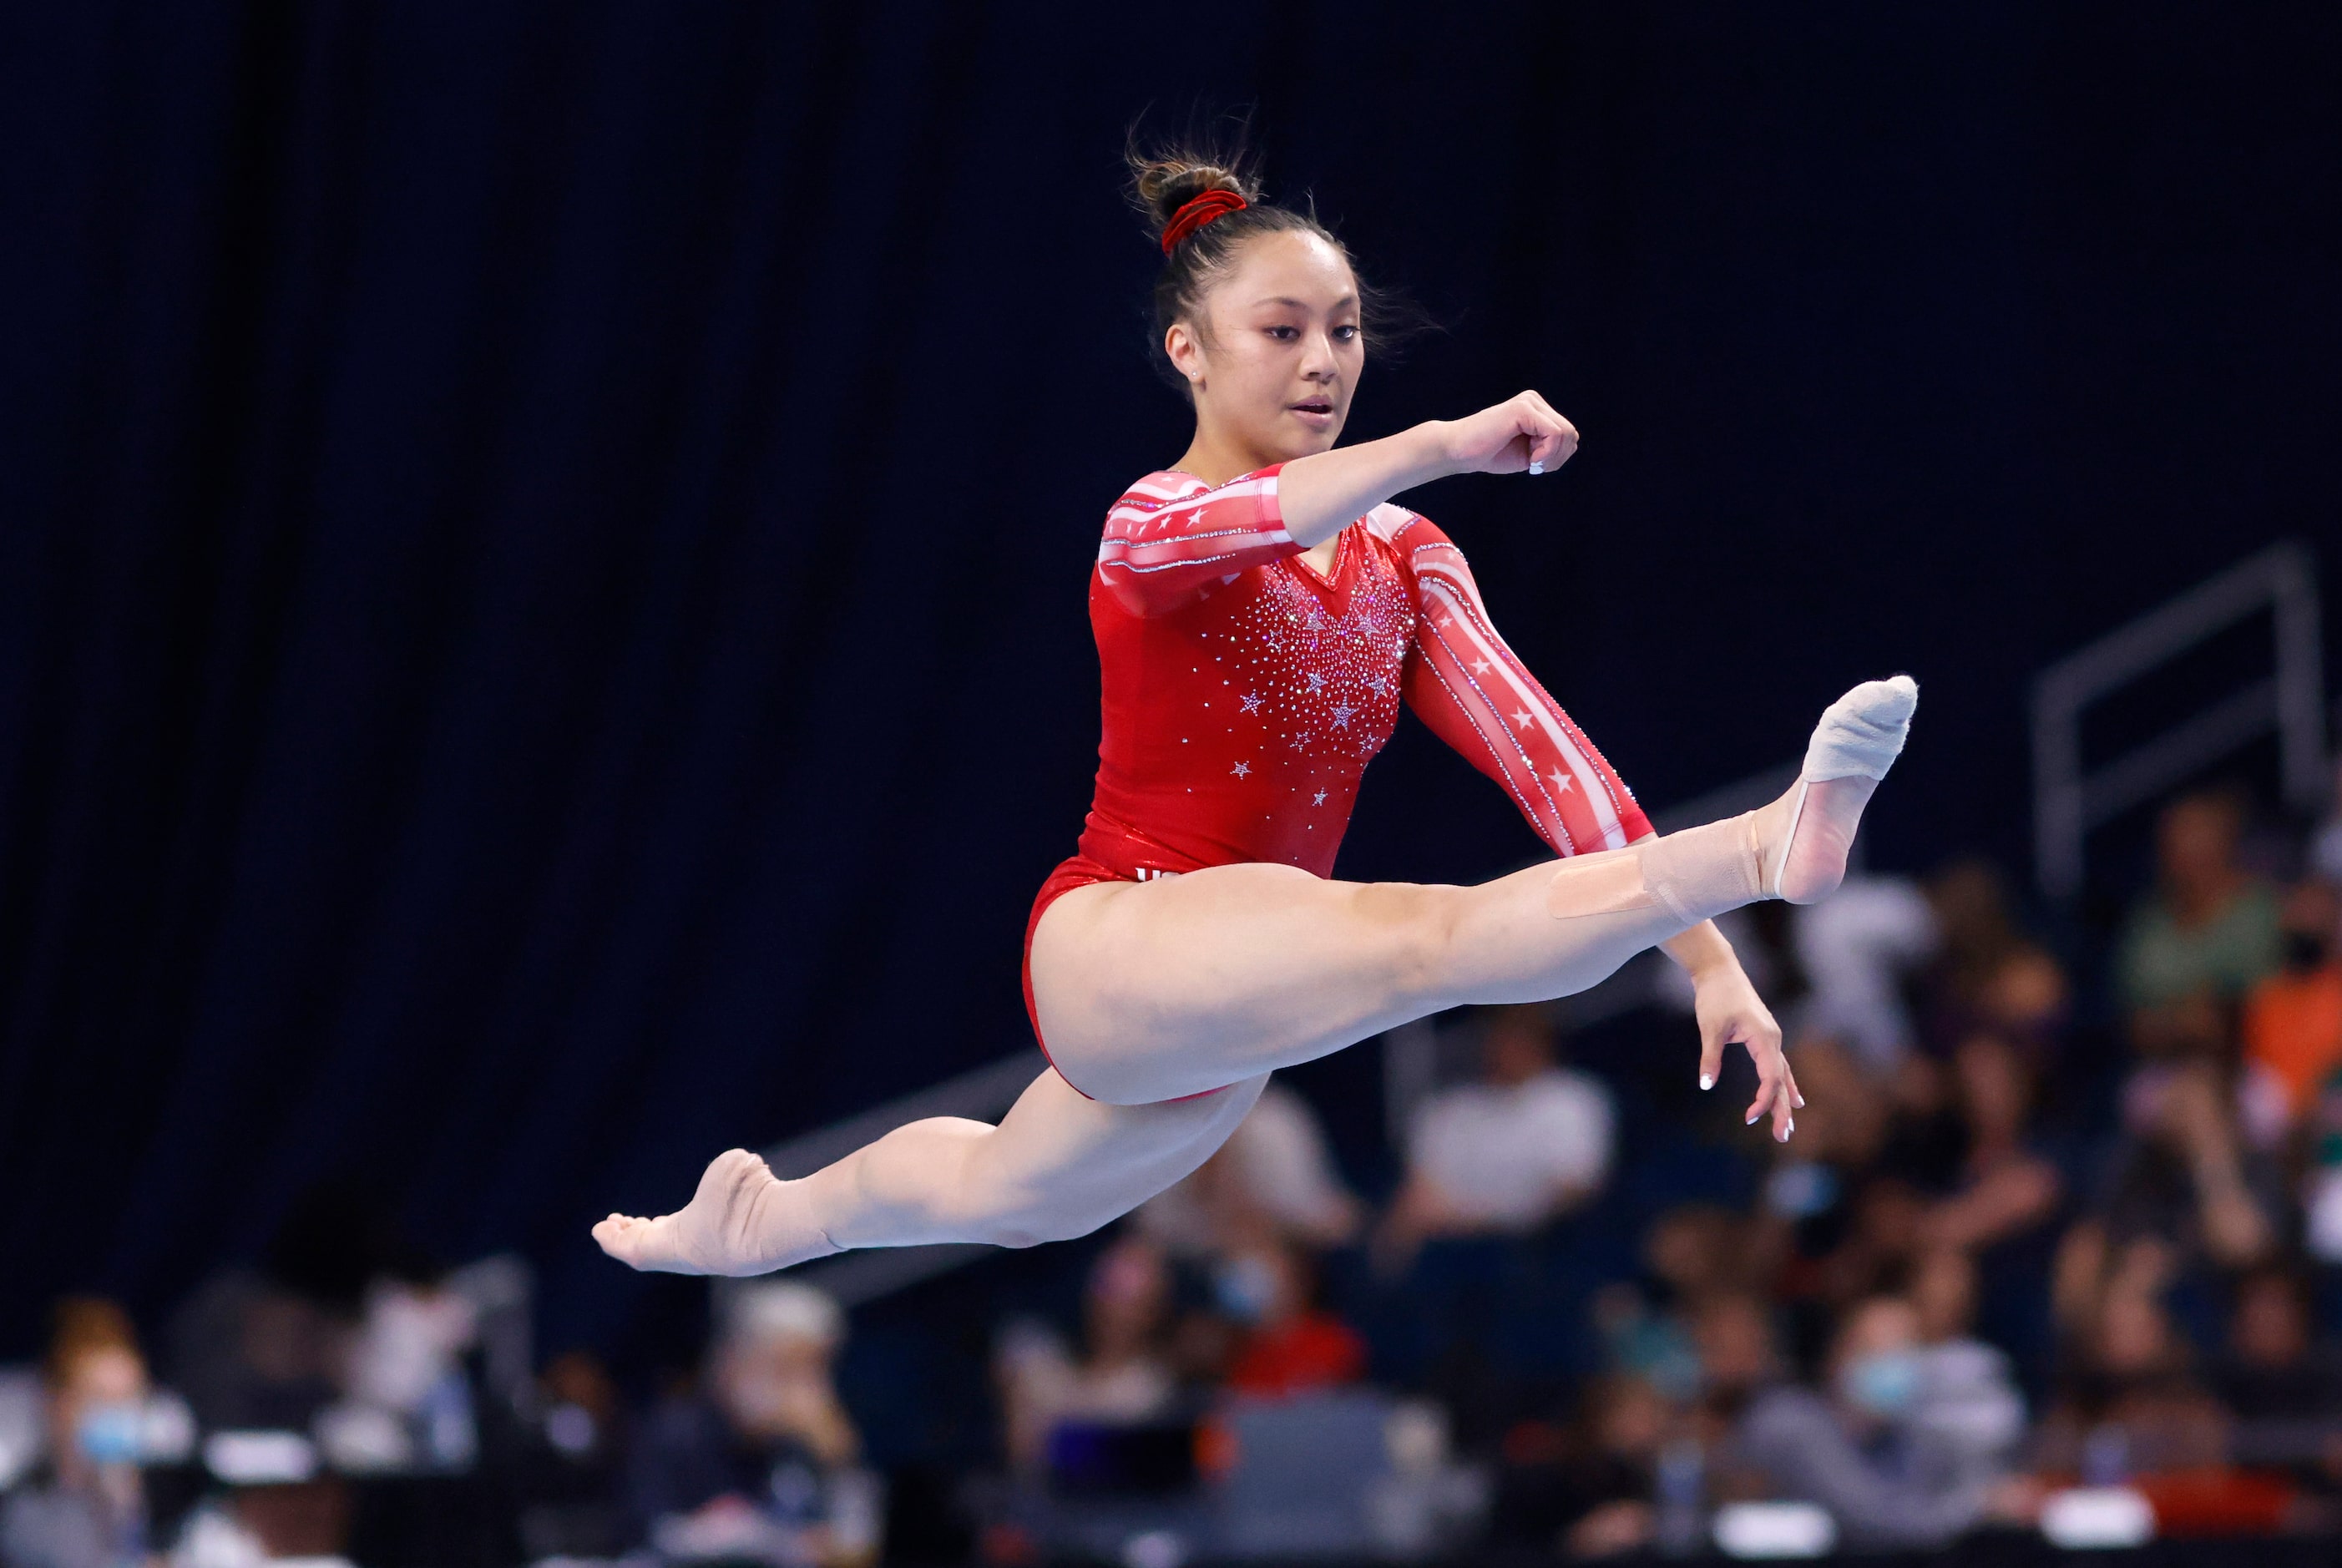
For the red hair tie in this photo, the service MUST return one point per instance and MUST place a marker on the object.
(1195, 213)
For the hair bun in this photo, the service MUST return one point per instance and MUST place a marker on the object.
(1165, 181)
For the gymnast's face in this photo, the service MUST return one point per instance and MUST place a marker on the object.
(1278, 356)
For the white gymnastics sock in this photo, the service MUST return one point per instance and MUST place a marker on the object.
(1857, 740)
(1794, 848)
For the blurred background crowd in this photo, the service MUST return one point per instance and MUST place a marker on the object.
(2058, 1212)
(541, 561)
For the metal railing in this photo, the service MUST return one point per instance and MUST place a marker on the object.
(2069, 799)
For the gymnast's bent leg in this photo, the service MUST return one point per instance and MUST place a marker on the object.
(1059, 1165)
(1201, 984)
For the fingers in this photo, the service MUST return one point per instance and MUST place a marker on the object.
(1551, 438)
(1777, 1087)
(1711, 1056)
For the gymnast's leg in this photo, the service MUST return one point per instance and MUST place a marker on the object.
(1147, 991)
(1059, 1165)
(1199, 985)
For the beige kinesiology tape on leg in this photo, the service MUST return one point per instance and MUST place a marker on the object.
(1694, 876)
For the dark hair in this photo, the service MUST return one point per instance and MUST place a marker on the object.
(1164, 177)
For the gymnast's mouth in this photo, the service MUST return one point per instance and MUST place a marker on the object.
(1314, 405)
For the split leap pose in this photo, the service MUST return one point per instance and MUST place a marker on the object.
(1260, 610)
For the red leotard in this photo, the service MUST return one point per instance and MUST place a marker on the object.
(1245, 692)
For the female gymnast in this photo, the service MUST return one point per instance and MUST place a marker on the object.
(1260, 609)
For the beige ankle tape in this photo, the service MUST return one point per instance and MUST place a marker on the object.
(1702, 871)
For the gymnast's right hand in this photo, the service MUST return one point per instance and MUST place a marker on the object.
(1520, 434)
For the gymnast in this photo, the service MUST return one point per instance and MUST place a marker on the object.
(1261, 608)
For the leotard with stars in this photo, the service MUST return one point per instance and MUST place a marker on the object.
(1244, 692)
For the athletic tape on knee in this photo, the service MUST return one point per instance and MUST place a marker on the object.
(1702, 871)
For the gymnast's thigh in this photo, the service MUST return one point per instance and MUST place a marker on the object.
(1148, 991)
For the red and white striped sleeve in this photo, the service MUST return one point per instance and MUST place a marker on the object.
(1478, 697)
(1162, 546)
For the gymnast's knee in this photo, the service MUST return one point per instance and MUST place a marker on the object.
(1416, 925)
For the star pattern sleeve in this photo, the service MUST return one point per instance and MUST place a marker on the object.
(1163, 547)
(1463, 681)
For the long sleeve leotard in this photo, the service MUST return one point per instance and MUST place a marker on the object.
(1242, 692)
(1245, 692)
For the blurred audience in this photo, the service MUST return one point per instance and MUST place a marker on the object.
(1585, 1489)
(1529, 1142)
(1290, 1343)
(1858, 949)
(2129, 1399)
(1861, 1449)
(84, 1504)
(2293, 1018)
(2209, 928)
(1980, 1204)
(1123, 1375)
(760, 1463)
(2273, 1369)
(1986, 975)
(1275, 1175)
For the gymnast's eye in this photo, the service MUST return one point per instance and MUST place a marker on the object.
(1284, 333)
(1346, 333)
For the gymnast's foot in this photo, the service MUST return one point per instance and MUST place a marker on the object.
(739, 1222)
(1803, 838)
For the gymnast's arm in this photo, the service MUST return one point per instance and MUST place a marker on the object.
(1465, 682)
(1327, 491)
(1159, 554)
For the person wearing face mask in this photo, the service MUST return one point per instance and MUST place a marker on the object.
(2293, 1019)
(85, 1507)
(1291, 1345)
(1859, 1451)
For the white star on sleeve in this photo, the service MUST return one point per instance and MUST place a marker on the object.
(1480, 666)
(1561, 780)
(1522, 717)
(1241, 771)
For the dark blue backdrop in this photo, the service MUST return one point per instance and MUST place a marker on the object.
(542, 547)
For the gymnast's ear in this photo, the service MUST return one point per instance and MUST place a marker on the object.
(1183, 345)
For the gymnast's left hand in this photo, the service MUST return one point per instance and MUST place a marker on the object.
(1728, 1010)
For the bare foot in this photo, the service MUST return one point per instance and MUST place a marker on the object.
(736, 1224)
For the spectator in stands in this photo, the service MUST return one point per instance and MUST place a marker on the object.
(2321, 1192)
(1275, 1174)
(1124, 1376)
(2002, 1185)
(760, 1463)
(2181, 1190)
(2293, 1018)
(1986, 974)
(84, 1506)
(1692, 1254)
(1290, 1343)
(270, 1348)
(1856, 947)
(1968, 1400)
(1527, 1144)
(1733, 1332)
(2274, 1369)
(1888, 1479)
(2210, 928)
(1584, 1490)
(2128, 1400)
